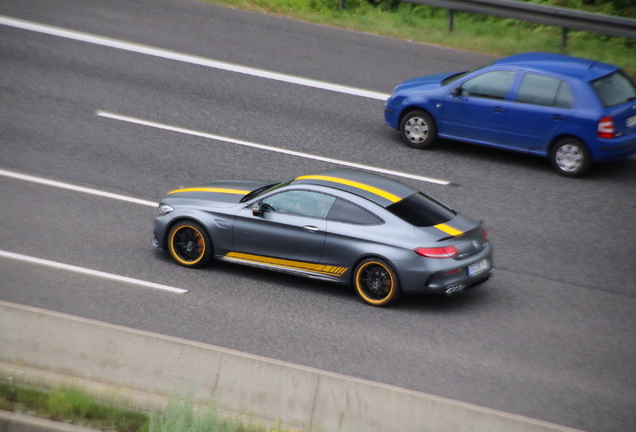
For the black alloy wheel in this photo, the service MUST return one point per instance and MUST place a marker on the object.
(189, 244)
(376, 283)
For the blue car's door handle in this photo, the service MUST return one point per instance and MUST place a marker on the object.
(498, 109)
(557, 117)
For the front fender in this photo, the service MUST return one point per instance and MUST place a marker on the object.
(218, 225)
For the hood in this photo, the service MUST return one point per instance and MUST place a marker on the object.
(429, 81)
(222, 191)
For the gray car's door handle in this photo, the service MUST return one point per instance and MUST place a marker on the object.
(311, 228)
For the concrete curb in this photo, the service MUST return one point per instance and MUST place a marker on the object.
(14, 422)
(158, 365)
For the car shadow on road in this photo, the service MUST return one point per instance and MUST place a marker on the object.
(333, 292)
(477, 154)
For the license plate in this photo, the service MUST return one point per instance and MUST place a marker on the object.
(631, 121)
(477, 267)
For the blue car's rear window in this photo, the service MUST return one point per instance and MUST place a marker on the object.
(420, 210)
(614, 89)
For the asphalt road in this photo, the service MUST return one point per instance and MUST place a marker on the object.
(551, 336)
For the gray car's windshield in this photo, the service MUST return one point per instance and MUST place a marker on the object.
(421, 210)
(259, 191)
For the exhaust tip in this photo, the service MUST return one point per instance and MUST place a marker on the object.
(455, 289)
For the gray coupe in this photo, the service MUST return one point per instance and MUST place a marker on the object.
(340, 225)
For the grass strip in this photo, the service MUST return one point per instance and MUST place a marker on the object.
(472, 32)
(72, 405)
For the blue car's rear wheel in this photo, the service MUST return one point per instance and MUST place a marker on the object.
(570, 157)
(189, 244)
(418, 129)
(376, 283)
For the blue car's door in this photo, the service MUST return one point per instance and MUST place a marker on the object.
(475, 111)
(539, 108)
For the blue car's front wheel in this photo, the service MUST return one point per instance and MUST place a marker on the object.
(418, 129)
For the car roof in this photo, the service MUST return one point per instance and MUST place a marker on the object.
(558, 64)
(378, 189)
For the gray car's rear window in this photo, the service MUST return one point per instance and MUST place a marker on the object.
(421, 210)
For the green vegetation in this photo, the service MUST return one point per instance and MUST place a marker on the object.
(70, 404)
(472, 32)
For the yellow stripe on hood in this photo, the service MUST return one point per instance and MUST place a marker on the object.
(209, 189)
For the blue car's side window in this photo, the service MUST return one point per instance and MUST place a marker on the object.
(491, 85)
(546, 91)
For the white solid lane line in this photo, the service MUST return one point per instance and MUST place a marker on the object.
(163, 126)
(68, 186)
(90, 272)
(185, 58)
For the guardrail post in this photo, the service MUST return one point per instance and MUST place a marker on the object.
(564, 37)
(451, 17)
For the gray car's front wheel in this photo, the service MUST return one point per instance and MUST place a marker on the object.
(189, 244)
(570, 157)
(418, 129)
(376, 282)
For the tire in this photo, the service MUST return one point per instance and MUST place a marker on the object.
(570, 157)
(189, 244)
(376, 282)
(418, 129)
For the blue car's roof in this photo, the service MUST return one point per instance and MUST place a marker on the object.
(563, 65)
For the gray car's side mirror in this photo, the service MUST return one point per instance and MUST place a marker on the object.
(257, 208)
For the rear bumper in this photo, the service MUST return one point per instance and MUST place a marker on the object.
(615, 148)
(449, 277)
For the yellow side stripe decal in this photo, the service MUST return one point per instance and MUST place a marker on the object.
(298, 265)
(374, 190)
(449, 230)
(206, 189)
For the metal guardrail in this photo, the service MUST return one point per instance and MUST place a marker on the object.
(567, 19)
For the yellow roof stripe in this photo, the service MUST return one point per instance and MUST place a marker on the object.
(374, 190)
(208, 189)
(449, 230)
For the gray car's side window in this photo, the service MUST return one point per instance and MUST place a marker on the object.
(491, 85)
(343, 211)
(300, 203)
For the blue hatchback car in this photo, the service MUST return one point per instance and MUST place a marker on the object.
(572, 110)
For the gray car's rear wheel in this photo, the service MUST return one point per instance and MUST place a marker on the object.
(376, 282)
(189, 244)
(570, 157)
(418, 129)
